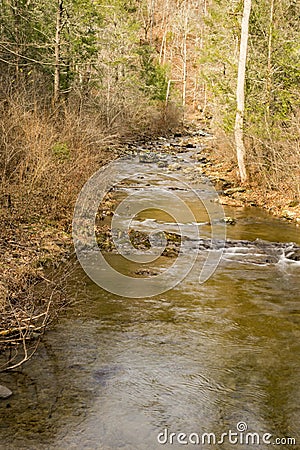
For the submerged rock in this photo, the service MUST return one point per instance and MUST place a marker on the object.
(229, 220)
(146, 272)
(162, 163)
(175, 166)
(4, 392)
(148, 158)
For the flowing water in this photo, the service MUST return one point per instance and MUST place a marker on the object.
(114, 372)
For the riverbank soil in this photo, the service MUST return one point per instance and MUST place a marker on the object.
(35, 243)
(31, 293)
(279, 200)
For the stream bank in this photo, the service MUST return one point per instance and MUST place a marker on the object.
(31, 292)
(31, 250)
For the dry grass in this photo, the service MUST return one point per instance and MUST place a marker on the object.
(46, 156)
(273, 162)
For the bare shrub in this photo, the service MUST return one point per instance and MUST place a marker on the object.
(274, 162)
(46, 155)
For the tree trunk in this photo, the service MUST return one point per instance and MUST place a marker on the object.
(269, 66)
(184, 57)
(56, 88)
(240, 93)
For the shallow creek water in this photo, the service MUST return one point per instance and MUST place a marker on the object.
(114, 372)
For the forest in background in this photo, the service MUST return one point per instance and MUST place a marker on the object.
(76, 80)
(78, 76)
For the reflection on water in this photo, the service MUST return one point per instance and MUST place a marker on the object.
(114, 372)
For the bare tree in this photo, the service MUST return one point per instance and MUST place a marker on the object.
(269, 62)
(59, 14)
(240, 93)
(184, 54)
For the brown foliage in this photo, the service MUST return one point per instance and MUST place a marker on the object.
(46, 156)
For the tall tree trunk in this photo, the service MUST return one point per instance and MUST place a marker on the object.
(184, 65)
(269, 66)
(56, 87)
(151, 20)
(240, 93)
(17, 28)
(184, 56)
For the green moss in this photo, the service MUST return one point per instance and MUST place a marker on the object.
(61, 151)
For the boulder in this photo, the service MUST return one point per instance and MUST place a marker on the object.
(294, 255)
(231, 191)
(290, 215)
(4, 392)
(229, 220)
